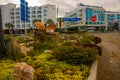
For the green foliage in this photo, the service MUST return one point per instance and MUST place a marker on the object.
(9, 25)
(42, 46)
(6, 69)
(69, 43)
(7, 38)
(47, 69)
(73, 29)
(75, 54)
(60, 21)
(36, 20)
(69, 60)
(49, 21)
(86, 39)
(13, 53)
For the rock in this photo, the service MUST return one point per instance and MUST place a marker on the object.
(23, 49)
(22, 71)
(31, 43)
(29, 49)
(63, 38)
(48, 51)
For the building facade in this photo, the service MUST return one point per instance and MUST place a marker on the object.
(85, 12)
(5, 13)
(112, 20)
(42, 13)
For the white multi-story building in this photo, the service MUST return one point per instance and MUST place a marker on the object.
(12, 14)
(85, 12)
(111, 19)
(5, 13)
(42, 13)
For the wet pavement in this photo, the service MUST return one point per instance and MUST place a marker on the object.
(109, 62)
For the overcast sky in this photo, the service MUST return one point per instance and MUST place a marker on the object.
(67, 5)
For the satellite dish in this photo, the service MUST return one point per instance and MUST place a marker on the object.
(39, 26)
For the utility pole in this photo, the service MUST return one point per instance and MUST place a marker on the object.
(2, 47)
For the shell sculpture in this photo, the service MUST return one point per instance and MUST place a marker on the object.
(39, 26)
(51, 28)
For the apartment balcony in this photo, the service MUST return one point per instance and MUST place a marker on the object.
(38, 12)
(12, 10)
(12, 17)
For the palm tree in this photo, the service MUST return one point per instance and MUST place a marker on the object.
(60, 21)
(36, 20)
(49, 22)
(9, 26)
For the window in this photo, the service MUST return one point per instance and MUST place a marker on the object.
(39, 12)
(39, 8)
(80, 10)
(33, 8)
(45, 14)
(45, 11)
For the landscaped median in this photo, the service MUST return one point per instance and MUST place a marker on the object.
(71, 58)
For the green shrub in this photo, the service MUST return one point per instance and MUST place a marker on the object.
(73, 29)
(41, 47)
(6, 69)
(86, 39)
(56, 70)
(75, 54)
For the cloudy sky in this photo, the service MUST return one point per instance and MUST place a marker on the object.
(67, 5)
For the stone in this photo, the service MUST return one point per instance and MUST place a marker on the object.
(48, 51)
(22, 71)
(23, 49)
(29, 49)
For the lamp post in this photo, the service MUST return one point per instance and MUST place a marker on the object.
(2, 48)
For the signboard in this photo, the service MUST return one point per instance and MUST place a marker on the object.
(71, 19)
(93, 18)
(23, 10)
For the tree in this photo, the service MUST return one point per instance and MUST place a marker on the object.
(36, 20)
(60, 21)
(49, 22)
(9, 26)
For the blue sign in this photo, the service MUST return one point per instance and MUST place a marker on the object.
(23, 10)
(22, 1)
(71, 19)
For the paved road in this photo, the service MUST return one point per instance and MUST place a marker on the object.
(109, 62)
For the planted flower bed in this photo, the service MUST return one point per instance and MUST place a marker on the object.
(67, 60)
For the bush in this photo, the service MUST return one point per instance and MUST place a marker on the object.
(6, 69)
(75, 54)
(73, 29)
(41, 47)
(55, 70)
(86, 39)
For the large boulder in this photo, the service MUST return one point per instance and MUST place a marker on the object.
(23, 71)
